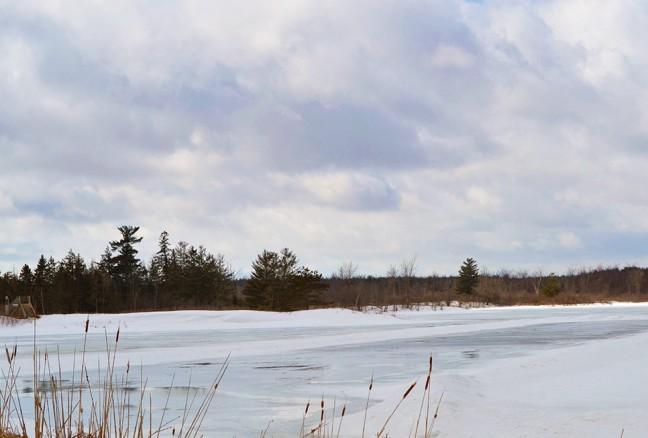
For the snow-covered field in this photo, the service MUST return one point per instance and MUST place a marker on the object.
(506, 372)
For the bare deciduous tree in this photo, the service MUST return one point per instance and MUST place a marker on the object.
(406, 273)
(408, 267)
(537, 277)
(347, 271)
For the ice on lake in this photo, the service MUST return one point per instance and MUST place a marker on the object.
(564, 371)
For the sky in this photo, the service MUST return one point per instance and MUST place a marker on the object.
(371, 131)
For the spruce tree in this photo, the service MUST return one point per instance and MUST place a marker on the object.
(468, 277)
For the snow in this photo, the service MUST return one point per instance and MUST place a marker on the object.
(595, 389)
(518, 372)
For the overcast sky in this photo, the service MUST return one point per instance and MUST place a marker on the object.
(514, 132)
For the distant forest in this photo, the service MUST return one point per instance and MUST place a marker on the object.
(183, 276)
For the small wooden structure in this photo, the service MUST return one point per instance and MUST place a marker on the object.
(20, 308)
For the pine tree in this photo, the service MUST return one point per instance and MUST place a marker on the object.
(126, 263)
(222, 279)
(106, 260)
(103, 284)
(70, 284)
(285, 289)
(468, 277)
(278, 283)
(159, 271)
(259, 290)
(307, 287)
(26, 280)
(42, 282)
(161, 258)
(125, 266)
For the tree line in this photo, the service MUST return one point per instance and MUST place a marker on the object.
(187, 276)
(177, 276)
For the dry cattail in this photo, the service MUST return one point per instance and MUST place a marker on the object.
(117, 337)
(427, 382)
(409, 390)
(343, 410)
(379, 434)
(307, 406)
(87, 323)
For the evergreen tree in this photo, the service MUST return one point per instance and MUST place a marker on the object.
(192, 277)
(70, 284)
(159, 271)
(106, 260)
(26, 280)
(307, 287)
(125, 263)
(468, 277)
(42, 282)
(551, 286)
(101, 277)
(277, 283)
(285, 289)
(50, 271)
(260, 288)
(222, 279)
(163, 253)
(125, 266)
(11, 284)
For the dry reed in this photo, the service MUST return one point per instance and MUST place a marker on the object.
(60, 409)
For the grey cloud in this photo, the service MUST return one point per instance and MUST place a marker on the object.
(450, 128)
(313, 136)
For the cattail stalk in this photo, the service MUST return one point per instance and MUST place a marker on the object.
(364, 421)
(409, 390)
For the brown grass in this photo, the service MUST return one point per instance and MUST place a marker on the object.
(111, 412)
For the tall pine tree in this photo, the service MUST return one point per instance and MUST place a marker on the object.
(42, 283)
(124, 264)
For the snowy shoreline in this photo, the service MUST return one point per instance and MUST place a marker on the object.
(303, 318)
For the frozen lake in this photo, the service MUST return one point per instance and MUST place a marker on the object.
(281, 361)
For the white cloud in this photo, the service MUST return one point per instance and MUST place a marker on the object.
(452, 57)
(363, 130)
(569, 240)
